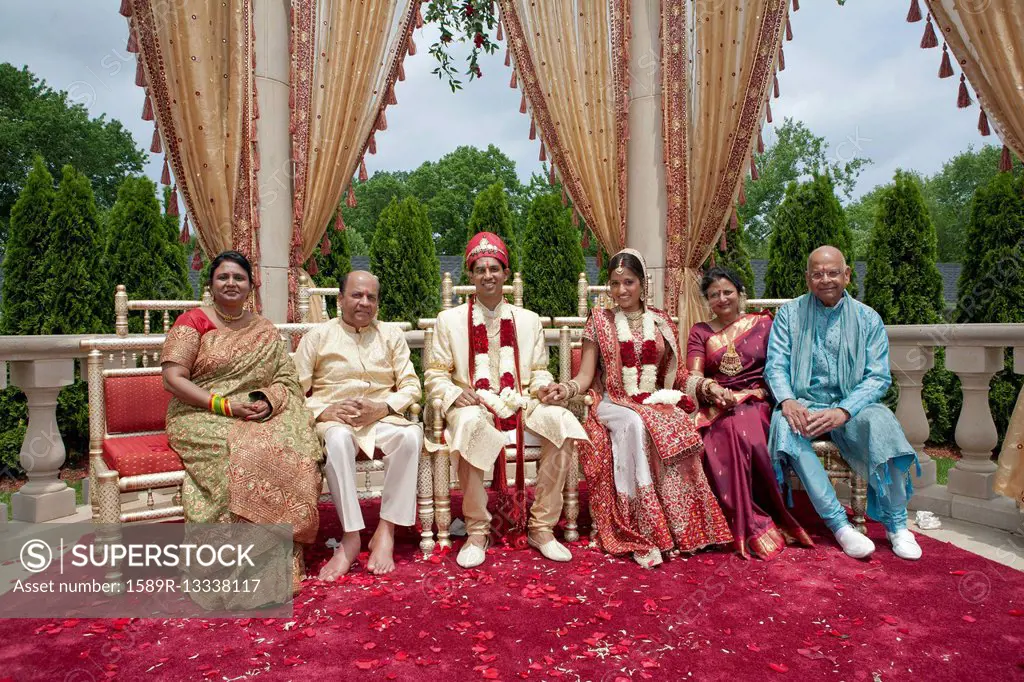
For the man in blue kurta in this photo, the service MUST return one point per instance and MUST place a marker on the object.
(828, 368)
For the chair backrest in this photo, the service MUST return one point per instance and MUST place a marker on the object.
(599, 296)
(134, 400)
(122, 306)
(450, 290)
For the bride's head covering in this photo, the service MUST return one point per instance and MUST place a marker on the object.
(619, 263)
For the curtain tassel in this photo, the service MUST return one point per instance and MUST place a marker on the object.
(172, 205)
(412, 46)
(155, 145)
(565, 198)
(514, 81)
(126, 8)
(586, 239)
(789, 29)
(419, 17)
(552, 180)
(325, 245)
(533, 129)
(963, 98)
(575, 219)
(722, 244)
(184, 236)
(712, 258)
(371, 144)
(140, 75)
(382, 121)
(782, 59)
(742, 198)
(311, 267)
(147, 109)
(197, 261)
(768, 111)
(775, 85)
(522, 104)
(928, 40)
(914, 14)
(734, 221)
(339, 223)
(392, 99)
(165, 174)
(946, 68)
(256, 157)
(363, 177)
(1005, 161)
(600, 258)
(501, 31)
(760, 141)
(133, 43)
(796, 5)
(753, 170)
(351, 200)
(983, 124)
(543, 154)
(508, 58)
(401, 71)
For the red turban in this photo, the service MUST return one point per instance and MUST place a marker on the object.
(486, 245)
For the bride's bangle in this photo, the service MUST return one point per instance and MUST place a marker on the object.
(572, 389)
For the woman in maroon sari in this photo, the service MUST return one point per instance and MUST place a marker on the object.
(735, 413)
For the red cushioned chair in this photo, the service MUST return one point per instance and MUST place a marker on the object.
(128, 448)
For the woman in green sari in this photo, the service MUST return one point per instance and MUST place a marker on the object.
(238, 419)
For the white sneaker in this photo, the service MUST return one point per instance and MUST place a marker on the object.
(904, 545)
(471, 555)
(552, 549)
(856, 545)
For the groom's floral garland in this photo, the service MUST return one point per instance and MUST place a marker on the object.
(640, 375)
(506, 401)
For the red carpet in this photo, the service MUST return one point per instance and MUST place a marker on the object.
(810, 614)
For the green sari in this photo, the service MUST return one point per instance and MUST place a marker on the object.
(261, 472)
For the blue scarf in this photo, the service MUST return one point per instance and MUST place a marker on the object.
(851, 345)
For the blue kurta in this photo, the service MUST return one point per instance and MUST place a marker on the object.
(849, 369)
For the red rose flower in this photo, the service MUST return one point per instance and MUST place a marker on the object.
(507, 380)
(478, 39)
(507, 336)
(482, 385)
(649, 353)
(479, 339)
(628, 354)
(641, 397)
(687, 404)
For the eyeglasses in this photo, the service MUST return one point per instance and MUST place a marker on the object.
(819, 275)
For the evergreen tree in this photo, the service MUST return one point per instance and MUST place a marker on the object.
(142, 256)
(403, 258)
(735, 256)
(491, 214)
(553, 258)
(904, 286)
(76, 300)
(28, 238)
(809, 216)
(991, 287)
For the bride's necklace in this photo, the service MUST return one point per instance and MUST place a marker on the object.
(228, 318)
(634, 318)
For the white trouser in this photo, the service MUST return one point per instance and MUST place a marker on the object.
(401, 446)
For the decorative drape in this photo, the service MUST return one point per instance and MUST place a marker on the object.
(196, 62)
(987, 40)
(346, 57)
(718, 61)
(572, 63)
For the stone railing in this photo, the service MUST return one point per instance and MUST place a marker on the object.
(42, 365)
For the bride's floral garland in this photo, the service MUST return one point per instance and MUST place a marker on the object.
(506, 401)
(640, 375)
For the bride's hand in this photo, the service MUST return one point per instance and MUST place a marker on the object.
(552, 393)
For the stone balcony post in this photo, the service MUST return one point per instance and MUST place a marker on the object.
(44, 497)
(976, 433)
(909, 364)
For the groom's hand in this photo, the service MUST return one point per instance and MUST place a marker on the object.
(797, 415)
(822, 422)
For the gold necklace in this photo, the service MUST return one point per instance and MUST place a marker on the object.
(634, 319)
(228, 318)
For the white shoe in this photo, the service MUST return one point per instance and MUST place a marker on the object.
(855, 544)
(552, 549)
(471, 555)
(904, 545)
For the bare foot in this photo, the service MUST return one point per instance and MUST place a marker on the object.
(344, 556)
(382, 546)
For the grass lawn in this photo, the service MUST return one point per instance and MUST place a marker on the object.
(5, 495)
(942, 467)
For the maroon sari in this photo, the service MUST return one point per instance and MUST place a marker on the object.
(736, 458)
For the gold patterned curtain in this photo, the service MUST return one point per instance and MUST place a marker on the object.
(196, 60)
(717, 67)
(987, 39)
(571, 59)
(345, 59)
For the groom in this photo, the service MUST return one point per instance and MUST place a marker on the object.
(828, 368)
(489, 368)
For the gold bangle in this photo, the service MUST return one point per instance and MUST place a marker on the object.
(572, 388)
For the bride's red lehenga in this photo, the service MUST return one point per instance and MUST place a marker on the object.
(736, 459)
(643, 467)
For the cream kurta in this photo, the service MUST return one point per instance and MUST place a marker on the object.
(470, 430)
(339, 362)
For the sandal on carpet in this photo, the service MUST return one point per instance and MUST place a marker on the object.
(648, 560)
(471, 555)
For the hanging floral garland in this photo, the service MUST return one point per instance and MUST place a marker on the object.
(469, 21)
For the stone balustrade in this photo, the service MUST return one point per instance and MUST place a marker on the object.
(42, 365)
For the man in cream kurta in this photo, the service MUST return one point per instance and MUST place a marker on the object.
(471, 432)
(359, 380)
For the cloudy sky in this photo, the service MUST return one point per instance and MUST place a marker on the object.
(855, 75)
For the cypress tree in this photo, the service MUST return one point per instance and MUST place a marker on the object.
(810, 216)
(904, 286)
(491, 214)
(735, 256)
(27, 242)
(991, 287)
(403, 258)
(553, 258)
(76, 297)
